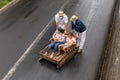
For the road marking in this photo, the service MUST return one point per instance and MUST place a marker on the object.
(16, 65)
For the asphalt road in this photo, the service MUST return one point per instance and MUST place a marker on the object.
(20, 25)
(96, 15)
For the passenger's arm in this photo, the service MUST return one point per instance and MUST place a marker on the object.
(51, 39)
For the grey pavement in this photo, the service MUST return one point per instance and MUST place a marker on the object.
(96, 15)
(110, 65)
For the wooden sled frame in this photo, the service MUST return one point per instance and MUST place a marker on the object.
(61, 59)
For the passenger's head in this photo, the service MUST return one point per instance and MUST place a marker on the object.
(70, 34)
(73, 18)
(60, 30)
(61, 13)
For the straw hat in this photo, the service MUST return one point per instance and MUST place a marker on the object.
(61, 13)
(73, 18)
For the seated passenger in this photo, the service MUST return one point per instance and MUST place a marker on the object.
(57, 39)
(70, 41)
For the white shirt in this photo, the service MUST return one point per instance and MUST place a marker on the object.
(61, 20)
(60, 37)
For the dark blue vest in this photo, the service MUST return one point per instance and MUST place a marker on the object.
(78, 26)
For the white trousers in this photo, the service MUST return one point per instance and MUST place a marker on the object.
(81, 39)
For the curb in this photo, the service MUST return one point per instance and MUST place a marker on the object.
(108, 65)
(9, 5)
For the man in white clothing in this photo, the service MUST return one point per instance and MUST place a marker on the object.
(61, 20)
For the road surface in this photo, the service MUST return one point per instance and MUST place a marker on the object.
(96, 15)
